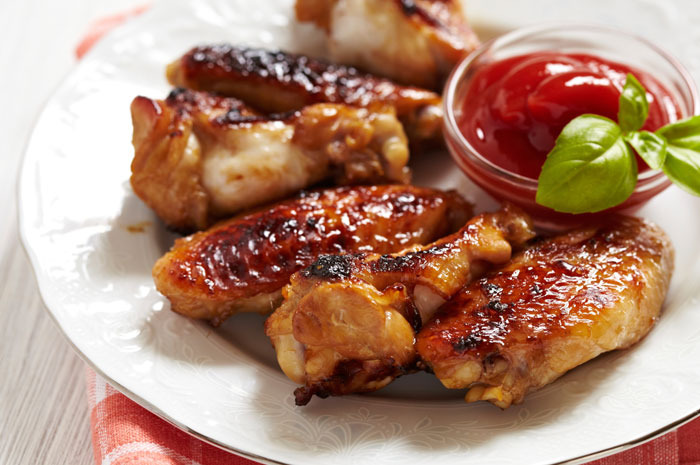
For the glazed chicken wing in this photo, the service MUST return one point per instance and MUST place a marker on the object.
(414, 42)
(348, 322)
(556, 305)
(200, 157)
(275, 81)
(242, 264)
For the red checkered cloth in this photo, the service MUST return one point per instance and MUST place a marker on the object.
(124, 433)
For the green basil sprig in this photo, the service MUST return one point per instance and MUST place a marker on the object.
(592, 166)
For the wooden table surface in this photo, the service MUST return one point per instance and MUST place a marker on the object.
(43, 406)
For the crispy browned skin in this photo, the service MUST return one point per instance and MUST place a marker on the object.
(414, 42)
(167, 167)
(275, 81)
(558, 304)
(200, 157)
(242, 264)
(348, 321)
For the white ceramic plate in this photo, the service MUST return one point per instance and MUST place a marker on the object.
(77, 217)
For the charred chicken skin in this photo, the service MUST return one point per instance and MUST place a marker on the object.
(275, 81)
(348, 322)
(556, 305)
(414, 42)
(242, 264)
(200, 157)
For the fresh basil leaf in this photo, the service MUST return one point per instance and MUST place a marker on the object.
(591, 168)
(649, 146)
(682, 163)
(684, 133)
(682, 166)
(634, 107)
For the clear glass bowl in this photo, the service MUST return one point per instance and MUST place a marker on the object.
(607, 43)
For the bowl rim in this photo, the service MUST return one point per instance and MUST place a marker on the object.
(453, 135)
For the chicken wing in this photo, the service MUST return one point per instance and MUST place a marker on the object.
(242, 264)
(348, 322)
(556, 305)
(414, 42)
(200, 157)
(275, 81)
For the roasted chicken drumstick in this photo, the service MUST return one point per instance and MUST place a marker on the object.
(557, 304)
(275, 81)
(200, 157)
(348, 322)
(414, 42)
(242, 264)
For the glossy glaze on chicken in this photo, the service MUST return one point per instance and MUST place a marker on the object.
(276, 81)
(348, 322)
(558, 304)
(242, 264)
(414, 42)
(200, 157)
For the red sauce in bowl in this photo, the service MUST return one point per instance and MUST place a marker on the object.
(514, 109)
